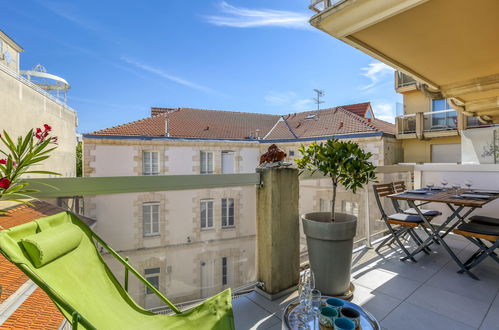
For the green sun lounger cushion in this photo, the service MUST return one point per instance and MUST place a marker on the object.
(45, 246)
(60, 255)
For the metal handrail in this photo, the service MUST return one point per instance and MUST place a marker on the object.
(28, 83)
(429, 113)
(407, 116)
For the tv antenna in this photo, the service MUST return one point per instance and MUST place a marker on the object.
(317, 99)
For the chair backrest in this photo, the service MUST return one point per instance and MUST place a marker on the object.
(398, 187)
(382, 190)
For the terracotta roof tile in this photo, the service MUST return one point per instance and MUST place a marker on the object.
(197, 123)
(281, 130)
(214, 124)
(37, 311)
(359, 109)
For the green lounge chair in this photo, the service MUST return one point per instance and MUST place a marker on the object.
(59, 254)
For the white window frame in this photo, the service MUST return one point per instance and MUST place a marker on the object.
(206, 222)
(225, 271)
(148, 224)
(228, 219)
(206, 162)
(232, 154)
(149, 166)
(325, 205)
(154, 274)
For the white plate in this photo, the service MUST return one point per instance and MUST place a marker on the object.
(416, 191)
(486, 191)
(475, 196)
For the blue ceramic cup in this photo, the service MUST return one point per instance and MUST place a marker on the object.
(327, 316)
(351, 314)
(342, 323)
(335, 303)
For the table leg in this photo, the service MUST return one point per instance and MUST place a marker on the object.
(441, 240)
(431, 236)
(460, 218)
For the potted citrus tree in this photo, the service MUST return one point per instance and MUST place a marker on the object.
(330, 234)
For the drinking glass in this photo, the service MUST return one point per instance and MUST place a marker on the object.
(468, 183)
(429, 186)
(456, 187)
(444, 184)
(305, 287)
(315, 298)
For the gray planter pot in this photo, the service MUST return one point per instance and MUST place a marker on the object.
(330, 247)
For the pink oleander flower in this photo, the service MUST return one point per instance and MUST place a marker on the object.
(4, 183)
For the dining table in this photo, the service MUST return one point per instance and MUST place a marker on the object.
(461, 202)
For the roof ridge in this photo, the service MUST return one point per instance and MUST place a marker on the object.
(289, 127)
(359, 118)
(231, 111)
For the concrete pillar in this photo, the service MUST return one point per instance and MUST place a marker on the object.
(278, 231)
(419, 125)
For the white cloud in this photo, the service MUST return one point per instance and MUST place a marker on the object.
(375, 71)
(289, 100)
(384, 111)
(247, 18)
(280, 98)
(165, 75)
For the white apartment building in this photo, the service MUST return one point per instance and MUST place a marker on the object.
(24, 105)
(193, 243)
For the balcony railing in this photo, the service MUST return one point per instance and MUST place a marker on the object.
(406, 124)
(403, 80)
(320, 5)
(473, 122)
(25, 81)
(439, 120)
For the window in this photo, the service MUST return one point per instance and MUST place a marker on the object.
(227, 162)
(152, 276)
(206, 162)
(150, 218)
(206, 213)
(439, 104)
(325, 205)
(350, 208)
(227, 212)
(150, 163)
(224, 271)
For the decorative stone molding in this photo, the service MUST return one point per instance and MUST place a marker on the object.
(88, 159)
(163, 158)
(164, 232)
(217, 195)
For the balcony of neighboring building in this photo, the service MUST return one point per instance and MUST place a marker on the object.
(422, 39)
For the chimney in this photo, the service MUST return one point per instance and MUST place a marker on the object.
(167, 127)
(158, 111)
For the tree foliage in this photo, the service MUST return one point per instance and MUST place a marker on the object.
(20, 157)
(345, 162)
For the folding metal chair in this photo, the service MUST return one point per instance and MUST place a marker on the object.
(406, 222)
(399, 186)
(477, 233)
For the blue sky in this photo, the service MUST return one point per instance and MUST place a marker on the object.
(122, 57)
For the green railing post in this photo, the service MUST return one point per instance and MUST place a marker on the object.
(126, 275)
(74, 322)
